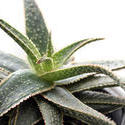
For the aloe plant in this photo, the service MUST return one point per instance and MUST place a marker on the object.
(46, 90)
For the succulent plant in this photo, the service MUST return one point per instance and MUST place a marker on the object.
(47, 90)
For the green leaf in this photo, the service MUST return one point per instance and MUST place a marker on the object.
(73, 80)
(102, 102)
(18, 87)
(25, 43)
(90, 83)
(77, 70)
(91, 97)
(35, 27)
(12, 63)
(105, 109)
(64, 54)
(51, 114)
(50, 49)
(27, 114)
(75, 108)
(111, 64)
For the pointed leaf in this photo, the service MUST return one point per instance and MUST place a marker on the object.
(61, 56)
(25, 43)
(90, 83)
(105, 109)
(12, 63)
(77, 70)
(111, 64)
(91, 97)
(27, 114)
(73, 80)
(73, 107)
(35, 26)
(20, 86)
(51, 114)
(50, 49)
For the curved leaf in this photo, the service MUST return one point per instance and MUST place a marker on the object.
(35, 27)
(25, 43)
(20, 86)
(75, 108)
(105, 109)
(12, 63)
(73, 80)
(61, 56)
(90, 83)
(111, 64)
(77, 70)
(27, 114)
(51, 114)
(91, 97)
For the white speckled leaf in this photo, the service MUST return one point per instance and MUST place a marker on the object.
(75, 108)
(12, 63)
(64, 54)
(92, 97)
(24, 42)
(51, 114)
(77, 70)
(93, 82)
(18, 87)
(35, 26)
(111, 64)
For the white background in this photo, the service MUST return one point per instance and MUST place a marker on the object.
(70, 21)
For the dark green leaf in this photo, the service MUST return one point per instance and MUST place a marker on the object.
(51, 114)
(91, 97)
(105, 109)
(61, 56)
(27, 114)
(20, 86)
(75, 108)
(35, 27)
(92, 82)
(77, 70)
(12, 63)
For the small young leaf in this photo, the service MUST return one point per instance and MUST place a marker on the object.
(35, 26)
(61, 56)
(77, 70)
(75, 108)
(51, 114)
(18, 87)
(26, 44)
